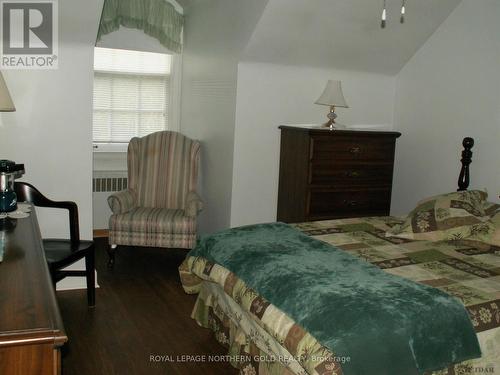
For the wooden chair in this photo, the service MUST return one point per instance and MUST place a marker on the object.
(60, 253)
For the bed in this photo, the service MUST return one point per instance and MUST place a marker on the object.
(262, 339)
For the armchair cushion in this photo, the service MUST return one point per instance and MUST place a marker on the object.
(153, 220)
(194, 204)
(122, 201)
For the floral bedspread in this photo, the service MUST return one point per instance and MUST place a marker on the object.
(467, 270)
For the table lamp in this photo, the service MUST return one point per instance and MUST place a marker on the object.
(6, 104)
(334, 97)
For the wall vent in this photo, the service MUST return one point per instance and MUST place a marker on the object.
(109, 182)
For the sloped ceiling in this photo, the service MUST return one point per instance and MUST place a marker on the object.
(344, 34)
(215, 27)
(185, 3)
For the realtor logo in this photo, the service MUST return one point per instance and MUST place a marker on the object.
(28, 34)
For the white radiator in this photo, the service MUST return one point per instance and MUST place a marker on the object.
(105, 183)
(109, 184)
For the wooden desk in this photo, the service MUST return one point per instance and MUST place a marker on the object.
(31, 329)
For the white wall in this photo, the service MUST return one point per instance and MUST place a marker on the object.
(51, 130)
(450, 89)
(272, 95)
(215, 33)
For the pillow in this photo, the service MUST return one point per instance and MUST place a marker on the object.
(487, 232)
(443, 217)
(491, 208)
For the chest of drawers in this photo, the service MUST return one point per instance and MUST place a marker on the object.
(328, 174)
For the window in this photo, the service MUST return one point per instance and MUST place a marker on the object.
(132, 94)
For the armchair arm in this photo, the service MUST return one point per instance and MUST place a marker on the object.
(122, 202)
(194, 204)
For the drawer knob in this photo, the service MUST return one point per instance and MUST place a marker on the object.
(350, 203)
(355, 150)
(352, 174)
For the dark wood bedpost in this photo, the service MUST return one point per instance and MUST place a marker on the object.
(463, 179)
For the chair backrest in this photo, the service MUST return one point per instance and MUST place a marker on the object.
(163, 168)
(28, 193)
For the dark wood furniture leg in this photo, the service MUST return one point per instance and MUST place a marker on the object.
(111, 253)
(90, 276)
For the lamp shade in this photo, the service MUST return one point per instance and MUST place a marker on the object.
(332, 95)
(6, 104)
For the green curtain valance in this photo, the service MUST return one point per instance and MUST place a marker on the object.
(157, 18)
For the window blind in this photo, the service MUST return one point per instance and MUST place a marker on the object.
(131, 94)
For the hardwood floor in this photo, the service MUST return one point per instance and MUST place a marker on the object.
(141, 311)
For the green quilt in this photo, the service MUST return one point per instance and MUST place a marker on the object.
(348, 305)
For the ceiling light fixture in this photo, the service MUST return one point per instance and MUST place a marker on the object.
(384, 14)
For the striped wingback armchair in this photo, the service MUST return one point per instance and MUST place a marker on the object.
(160, 206)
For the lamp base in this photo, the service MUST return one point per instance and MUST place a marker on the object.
(333, 126)
(331, 119)
(330, 125)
